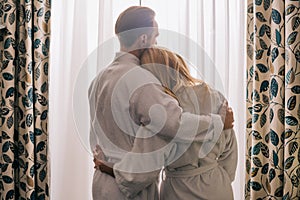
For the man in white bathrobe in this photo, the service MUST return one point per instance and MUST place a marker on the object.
(125, 100)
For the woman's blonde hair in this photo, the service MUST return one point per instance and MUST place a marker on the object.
(168, 67)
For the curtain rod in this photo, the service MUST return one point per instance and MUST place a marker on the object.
(140, 2)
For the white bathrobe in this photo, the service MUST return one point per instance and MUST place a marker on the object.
(126, 101)
(206, 170)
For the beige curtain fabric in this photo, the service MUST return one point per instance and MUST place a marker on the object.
(24, 64)
(273, 108)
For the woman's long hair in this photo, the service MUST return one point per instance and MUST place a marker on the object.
(169, 68)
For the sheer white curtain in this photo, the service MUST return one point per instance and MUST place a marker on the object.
(78, 27)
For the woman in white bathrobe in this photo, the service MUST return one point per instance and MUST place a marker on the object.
(207, 169)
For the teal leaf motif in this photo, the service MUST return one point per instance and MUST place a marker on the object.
(262, 30)
(7, 179)
(265, 169)
(41, 146)
(271, 115)
(274, 53)
(260, 17)
(8, 55)
(40, 12)
(279, 192)
(257, 107)
(274, 138)
(262, 68)
(27, 15)
(10, 195)
(275, 159)
(43, 157)
(255, 118)
(297, 56)
(258, 2)
(259, 54)
(274, 87)
(296, 89)
(272, 174)
(295, 23)
(291, 103)
(29, 120)
(7, 159)
(264, 86)
(22, 47)
(46, 68)
(8, 76)
(42, 175)
(9, 122)
(292, 37)
(263, 119)
(7, 43)
(293, 147)
(267, 4)
(290, 120)
(37, 43)
(263, 44)
(10, 92)
(5, 147)
(256, 186)
(264, 150)
(278, 37)
(7, 7)
(289, 162)
(44, 87)
(44, 115)
(47, 16)
(38, 131)
(256, 149)
(290, 77)
(276, 17)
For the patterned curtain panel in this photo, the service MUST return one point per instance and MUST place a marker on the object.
(24, 167)
(273, 100)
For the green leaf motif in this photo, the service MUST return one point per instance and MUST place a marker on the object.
(7, 43)
(10, 195)
(271, 115)
(291, 103)
(274, 53)
(290, 120)
(274, 138)
(8, 55)
(264, 86)
(8, 76)
(47, 16)
(259, 54)
(7, 179)
(41, 146)
(7, 159)
(254, 171)
(292, 38)
(255, 118)
(248, 166)
(276, 17)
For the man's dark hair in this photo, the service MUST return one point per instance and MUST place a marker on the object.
(134, 22)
